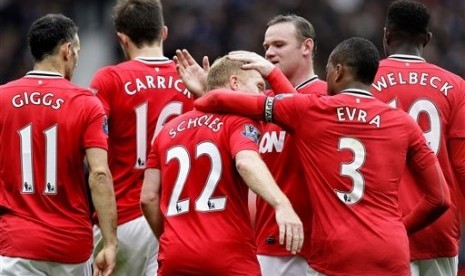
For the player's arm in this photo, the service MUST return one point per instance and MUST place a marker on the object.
(192, 74)
(456, 148)
(150, 200)
(103, 198)
(278, 82)
(240, 103)
(435, 202)
(257, 176)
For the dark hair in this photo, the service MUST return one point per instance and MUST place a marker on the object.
(141, 20)
(49, 32)
(408, 19)
(303, 27)
(359, 54)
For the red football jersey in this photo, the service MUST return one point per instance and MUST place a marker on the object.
(139, 97)
(356, 214)
(207, 226)
(46, 124)
(279, 152)
(435, 98)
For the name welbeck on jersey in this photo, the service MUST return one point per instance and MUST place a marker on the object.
(155, 82)
(400, 78)
(37, 98)
(209, 120)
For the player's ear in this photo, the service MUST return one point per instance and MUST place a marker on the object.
(339, 71)
(66, 50)
(234, 82)
(123, 39)
(386, 36)
(428, 37)
(308, 45)
(164, 33)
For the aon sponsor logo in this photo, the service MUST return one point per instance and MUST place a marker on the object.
(272, 141)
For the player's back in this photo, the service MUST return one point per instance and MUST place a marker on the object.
(278, 150)
(203, 199)
(354, 193)
(139, 96)
(44, 129)
(435, 98)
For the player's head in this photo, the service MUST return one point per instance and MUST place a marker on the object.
(354, 62)
(290, 42)
(406, 23)
(228, 74)
(54, 36)
(139, 20)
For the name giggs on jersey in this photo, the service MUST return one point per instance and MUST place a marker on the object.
(350, 114)
(416, 78)
(158, 82)
(37, 98)
(208, 120)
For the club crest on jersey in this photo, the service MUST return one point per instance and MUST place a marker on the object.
(251, 132)
(105, 124)
(282, 96)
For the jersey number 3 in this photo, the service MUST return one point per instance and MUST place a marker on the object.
(352, 170)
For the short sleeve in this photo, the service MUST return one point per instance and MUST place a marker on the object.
(96, 128)
(102, 85)
(243, 134)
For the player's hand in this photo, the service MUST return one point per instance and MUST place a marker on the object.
(254, 61)
(192, 75)
(291, 229)
(105, 262)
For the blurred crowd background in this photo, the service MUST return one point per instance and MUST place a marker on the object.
(215, 27)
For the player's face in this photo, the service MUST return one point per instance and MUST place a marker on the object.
(73, 58)
(283, 49)
(252, 82)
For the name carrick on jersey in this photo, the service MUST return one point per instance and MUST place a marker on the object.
(207, 226)
(435, 98)
(356, 215)
(46, 124)
(279, 152)
(139, 96)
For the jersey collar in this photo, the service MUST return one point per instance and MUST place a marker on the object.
(357, 92)
(153, 60)
(311, 79)
(44, 74)
(410, 58)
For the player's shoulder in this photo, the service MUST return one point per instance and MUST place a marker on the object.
(313, 86)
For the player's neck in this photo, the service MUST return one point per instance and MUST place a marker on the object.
(49, 66)
(148, 51)
(405, 49)
(301, 77)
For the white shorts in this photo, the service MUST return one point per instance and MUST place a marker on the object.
(282, 266)
(137, 248)
(435, 267)
(17, 266)
(313, 272)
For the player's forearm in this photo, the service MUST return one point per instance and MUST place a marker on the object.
(435, 202)
(257, 176)
(150, 201)
(457, 156)
(151, 210)
(232, 102)
(103, 198)
(279, 83)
